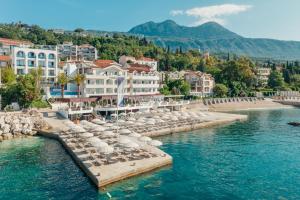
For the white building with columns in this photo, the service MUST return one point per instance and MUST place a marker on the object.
(26, 59)
(101, 79)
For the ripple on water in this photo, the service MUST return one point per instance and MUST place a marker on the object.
(255, 159)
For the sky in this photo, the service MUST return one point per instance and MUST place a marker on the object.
(275, 19)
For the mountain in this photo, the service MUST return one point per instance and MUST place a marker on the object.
(213, 37)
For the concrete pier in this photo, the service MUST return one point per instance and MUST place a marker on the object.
(103, 174)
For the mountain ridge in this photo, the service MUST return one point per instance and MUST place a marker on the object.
(213, 37)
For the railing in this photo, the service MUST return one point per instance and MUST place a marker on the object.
(211, 101)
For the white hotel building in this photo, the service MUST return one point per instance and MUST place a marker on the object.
(101, 79)
(26, 59)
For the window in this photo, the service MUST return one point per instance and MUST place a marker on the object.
(109, 82)
(31, 55)
(20, 71)
(51, 73)
(20, 62)
(21, 54)
(109, 90)
(31, 63)
(100, 82)
(41, 63)
(51, 64)
(99, 90)
(41, 56)
(51, 56)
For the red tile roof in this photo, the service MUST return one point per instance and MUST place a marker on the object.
(104, 63)
(138, 68)
(7, 41)
(5, 58)
(146, 59)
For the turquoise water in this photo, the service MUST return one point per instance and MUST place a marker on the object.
(255, 159)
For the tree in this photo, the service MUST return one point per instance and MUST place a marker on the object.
(177, 87)
(276, 80)
(165, 90)
(220, 90)
(62, 80)
(8, 76)
(37, 75)
(78, 79)
(79, 30)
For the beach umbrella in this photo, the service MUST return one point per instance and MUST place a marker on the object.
(114, 127)
(108, 125)
(150, 122)
(131, 145)
(134, 134)
(99, 128)
(155, 143)
(98, 121)
(121, 121)
(86, 135)
(174, 118)
(124, 140)
(131, 119)
(160, 121)
(94, 141)
(145, 139)
(106, 149)
(139, 123)
(78, 129)
(124, 131)
(108, 134)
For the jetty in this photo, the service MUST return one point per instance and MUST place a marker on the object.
(112, 151)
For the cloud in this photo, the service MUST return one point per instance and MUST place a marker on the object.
(212, 13)
(176, 12)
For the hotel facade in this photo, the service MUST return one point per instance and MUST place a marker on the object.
(101, 79)
(25, 60)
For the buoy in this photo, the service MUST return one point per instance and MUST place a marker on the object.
(109, 196)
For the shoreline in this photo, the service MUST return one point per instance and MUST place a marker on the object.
(226, 119)
(244, 106)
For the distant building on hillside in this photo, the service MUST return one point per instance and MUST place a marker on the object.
(202, 84)
(7, 45)
(262, 74)
(142, 61)
(69, 51)
(165, 75)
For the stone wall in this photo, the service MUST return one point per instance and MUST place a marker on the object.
(17, 124)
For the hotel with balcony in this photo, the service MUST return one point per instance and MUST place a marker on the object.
(101, 79)
(202, 84)
(25, 60)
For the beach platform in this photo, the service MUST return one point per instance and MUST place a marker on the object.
(91, 162)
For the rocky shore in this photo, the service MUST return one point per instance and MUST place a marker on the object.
(20, 124)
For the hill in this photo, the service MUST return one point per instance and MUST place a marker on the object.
(215, 38)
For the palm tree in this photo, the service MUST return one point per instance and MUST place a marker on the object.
(62, 79)
(78, 79)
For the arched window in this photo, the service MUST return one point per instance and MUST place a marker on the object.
(31, 55)
(41, 56)
(51, 56)
(21, 54)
